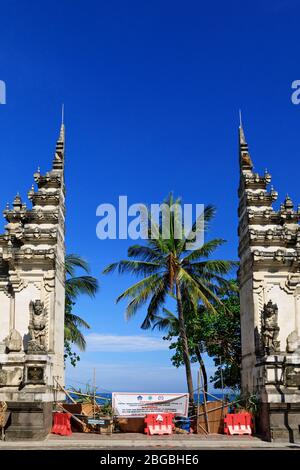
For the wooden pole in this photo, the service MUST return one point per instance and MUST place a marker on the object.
(68, 395)
(222, 385)
(198, 398)
(73, 416)
(209, 395)
(220, 407)
(65, 391)
(213, 396)
(94, 386)
(204, 403)
(203, 429)
(87, 395)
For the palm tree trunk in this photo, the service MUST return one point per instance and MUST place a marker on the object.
(185, 347)
(202, 367)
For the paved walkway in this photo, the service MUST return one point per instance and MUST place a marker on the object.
(132, 441)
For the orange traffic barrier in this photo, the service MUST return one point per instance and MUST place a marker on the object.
(238, 423)
(159, 423)
(61, 424)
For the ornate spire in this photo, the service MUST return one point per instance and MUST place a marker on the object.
(17, 203)
(62, 127)
(245, 159)
(241, 131)
(58, 162)
(288, 203)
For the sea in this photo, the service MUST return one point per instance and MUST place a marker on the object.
(107, 397)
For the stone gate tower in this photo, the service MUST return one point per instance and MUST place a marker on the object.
(32, 303)
(269, 277)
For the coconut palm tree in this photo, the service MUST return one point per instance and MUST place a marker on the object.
(75, 286)
(167, 265)
(168, 322)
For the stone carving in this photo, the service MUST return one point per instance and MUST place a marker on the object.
(37, 327)
(270, 328)
(246, 160)
(13, 341)
(35, 375)
(3, 377)
(292, 342)
(14, 375)
(292, 376)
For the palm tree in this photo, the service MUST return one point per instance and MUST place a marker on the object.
(169, 322)
(75, 286)
(169, 266)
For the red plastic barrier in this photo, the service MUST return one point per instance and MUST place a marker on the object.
(238, 423)
(61, 424)
(159, 423)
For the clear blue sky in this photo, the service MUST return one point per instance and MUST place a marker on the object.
(151, 91)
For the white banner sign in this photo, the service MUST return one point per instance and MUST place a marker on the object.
(137, 405)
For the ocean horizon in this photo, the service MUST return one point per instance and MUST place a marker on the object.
(107, 396)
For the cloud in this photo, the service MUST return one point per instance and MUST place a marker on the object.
(97, 342)
(127, 377)
(131, 376)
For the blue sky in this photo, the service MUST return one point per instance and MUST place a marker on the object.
(152, 91)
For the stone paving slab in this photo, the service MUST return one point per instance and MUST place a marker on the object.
(131, 441)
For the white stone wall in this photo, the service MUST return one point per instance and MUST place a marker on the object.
(4, 315)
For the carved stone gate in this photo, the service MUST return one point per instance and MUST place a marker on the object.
(269, 277)
(32, 302)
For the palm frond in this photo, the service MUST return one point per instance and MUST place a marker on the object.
(204, 251)
(211, 267)
(198, 289)
(144, 253)
(73, 261)
(138, 287)
(166, 321)
(81, 285)
(74, 335)
(201, 224)
(75, 286)
(157, 300)
(71, 318)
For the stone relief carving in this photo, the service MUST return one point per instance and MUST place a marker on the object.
(37, 327)
(3, 377)
(17, 283)
(49, 281)
(292, 342)
(270, 328)
(35, 374)
(292, 376)
(13, 341)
